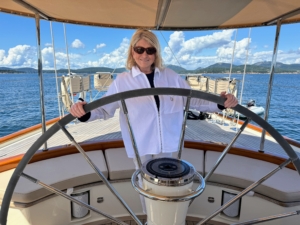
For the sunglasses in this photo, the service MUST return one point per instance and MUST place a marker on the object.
(141, 50)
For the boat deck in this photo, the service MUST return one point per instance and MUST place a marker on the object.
(200, 130)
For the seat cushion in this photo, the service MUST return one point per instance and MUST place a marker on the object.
(122, 167)
(241, 171)
(61, 172)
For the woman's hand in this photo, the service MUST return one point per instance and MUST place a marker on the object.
(77, 109)
(231, 100)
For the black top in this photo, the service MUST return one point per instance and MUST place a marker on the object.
(150, 77)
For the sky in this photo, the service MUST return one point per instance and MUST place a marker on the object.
(96, 47)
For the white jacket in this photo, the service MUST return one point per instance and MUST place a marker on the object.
(155, 131)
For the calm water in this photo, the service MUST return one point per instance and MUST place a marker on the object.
(20, 106)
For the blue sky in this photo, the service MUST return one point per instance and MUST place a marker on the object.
(93, 46)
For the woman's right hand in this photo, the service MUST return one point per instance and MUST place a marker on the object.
(77, 109)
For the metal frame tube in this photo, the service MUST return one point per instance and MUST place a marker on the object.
(136, 151)
(40, 73)
(180, 144)
(226, 150)
(273, 65)
(100, 174)
(32, 9)
(59, 192)
(245, 191)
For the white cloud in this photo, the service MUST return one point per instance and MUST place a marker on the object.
(100, 45)
(193, 53)
(266, 46)
(114, 59)
(77, 44)
(188, 52)
(260, 56)
(225, 52)
(19, 56)
(48, 44)
(61, 59)
(2, 54)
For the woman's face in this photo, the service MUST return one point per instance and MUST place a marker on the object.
(144, 61)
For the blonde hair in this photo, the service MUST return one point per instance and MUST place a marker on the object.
(152, 40)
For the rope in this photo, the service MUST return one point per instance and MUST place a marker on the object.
(233, 50)
(66, 42)
(55, 69)
(170, 49)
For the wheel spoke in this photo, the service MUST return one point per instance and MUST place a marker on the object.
(59, 192)
(133, 142)
(226, 150)
(180, 144)
(245, 191)
(100, 174)
(269, 218)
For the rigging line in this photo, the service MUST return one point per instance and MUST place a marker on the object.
(232, 58)
(170, 48)
(66, 42)
(245, 66)
(55, 70)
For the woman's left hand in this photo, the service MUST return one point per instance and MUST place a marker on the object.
(231, 100)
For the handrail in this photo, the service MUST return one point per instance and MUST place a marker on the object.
(12, 162)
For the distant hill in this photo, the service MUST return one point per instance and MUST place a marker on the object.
(279, 65)
(177, 69)
(259, 67)
(8, 70)
(219, 65)
(27, 70)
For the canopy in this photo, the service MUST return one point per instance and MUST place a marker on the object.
(160, 14)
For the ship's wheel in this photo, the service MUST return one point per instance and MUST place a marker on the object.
(170, 165)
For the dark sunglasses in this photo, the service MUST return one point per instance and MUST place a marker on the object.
(141, 50)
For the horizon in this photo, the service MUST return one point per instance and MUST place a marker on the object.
(1, 67)
(107, 47)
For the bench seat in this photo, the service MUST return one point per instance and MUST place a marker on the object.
(239, 171)
(62, 172)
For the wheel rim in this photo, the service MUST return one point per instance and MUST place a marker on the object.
(131, 94)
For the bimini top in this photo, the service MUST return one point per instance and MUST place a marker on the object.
(160, 14)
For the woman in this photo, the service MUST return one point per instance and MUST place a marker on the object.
(156, 120)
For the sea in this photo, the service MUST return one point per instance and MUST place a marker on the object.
(20, 104)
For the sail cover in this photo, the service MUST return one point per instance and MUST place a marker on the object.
(160, 14)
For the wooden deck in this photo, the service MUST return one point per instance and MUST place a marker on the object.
(202, 130)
